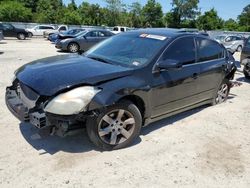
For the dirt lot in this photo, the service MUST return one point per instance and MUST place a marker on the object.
(205, 147)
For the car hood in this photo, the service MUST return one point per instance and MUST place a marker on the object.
(49, 76)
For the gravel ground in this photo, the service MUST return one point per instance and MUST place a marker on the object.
(205, 147)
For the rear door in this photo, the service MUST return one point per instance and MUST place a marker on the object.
(212, 59)
(90, 39)
(176, 89)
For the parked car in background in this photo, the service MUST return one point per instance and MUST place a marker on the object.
(122, 84)
(120, 29)
(9, 30)
(84, 41)
(232, 43)
(245, 58)
(60, 29)
(39, 29)
(63, 35)
(1, 35)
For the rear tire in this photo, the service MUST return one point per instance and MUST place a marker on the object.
(21, 36)
(73, 47)
(30, 35)
(222, 92)
(246, 71)
(239, 49)
(115, 127)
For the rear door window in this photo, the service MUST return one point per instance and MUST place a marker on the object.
(209, 50)
(182, 50)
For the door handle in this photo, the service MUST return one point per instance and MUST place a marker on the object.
(195, 76)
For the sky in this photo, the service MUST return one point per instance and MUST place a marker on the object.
(226, 8)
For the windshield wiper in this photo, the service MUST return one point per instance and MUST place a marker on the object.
(99, 59)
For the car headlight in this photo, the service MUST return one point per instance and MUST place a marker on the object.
(72, 102)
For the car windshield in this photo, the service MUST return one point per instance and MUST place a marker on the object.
(80, 34)
(130, 50)
(220, 38)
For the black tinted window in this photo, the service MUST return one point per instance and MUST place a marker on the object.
(63, 28)
(209, 50)
(45, 27)
(107, 33)
(7, 26)
(182, 50)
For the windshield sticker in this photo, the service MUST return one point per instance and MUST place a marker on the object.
(156, 37)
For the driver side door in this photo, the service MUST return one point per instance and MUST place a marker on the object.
(175, 89)
(9, 30)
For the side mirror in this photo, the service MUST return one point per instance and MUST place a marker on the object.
(169, 64)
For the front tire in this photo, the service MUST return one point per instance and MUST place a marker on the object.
(21, 36)
(239, 49)
(30, 35)
(222, 92)
(73, 47)
(115, 127)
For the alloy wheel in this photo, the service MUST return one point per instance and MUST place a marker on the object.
(222, 94)
(116, 126)
(21, 36)
(73, 48)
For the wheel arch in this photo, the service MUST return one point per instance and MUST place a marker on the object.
(73, 42)
(138, 101)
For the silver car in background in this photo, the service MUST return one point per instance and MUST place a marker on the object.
(83, 41)
(232, 43)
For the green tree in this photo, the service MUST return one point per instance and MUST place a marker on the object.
(231, 25)
(135, 15)
(32, 4)
(49, 11)
(244, 19)
(12, 11)
(182, 12)
(115, 8)
(210, 21)
(91, 14)
(72, 6)
(153, 14)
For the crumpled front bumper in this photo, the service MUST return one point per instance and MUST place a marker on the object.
(26, 112)
(21, 111)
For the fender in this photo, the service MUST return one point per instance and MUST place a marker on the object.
(114, 91)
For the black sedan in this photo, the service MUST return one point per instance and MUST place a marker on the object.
(245, 58)
(122, 84)
(9, 30)
(83, 41)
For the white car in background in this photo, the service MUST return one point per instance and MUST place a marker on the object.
(120, 29)
(39, 30)
(57, 30)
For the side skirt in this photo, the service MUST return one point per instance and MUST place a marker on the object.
(151, 120)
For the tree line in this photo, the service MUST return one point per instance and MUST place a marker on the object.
(183, 14)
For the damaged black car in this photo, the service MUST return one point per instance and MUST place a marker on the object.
(122, 84)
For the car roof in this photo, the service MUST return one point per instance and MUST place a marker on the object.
(95, 29)
(166, 32)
